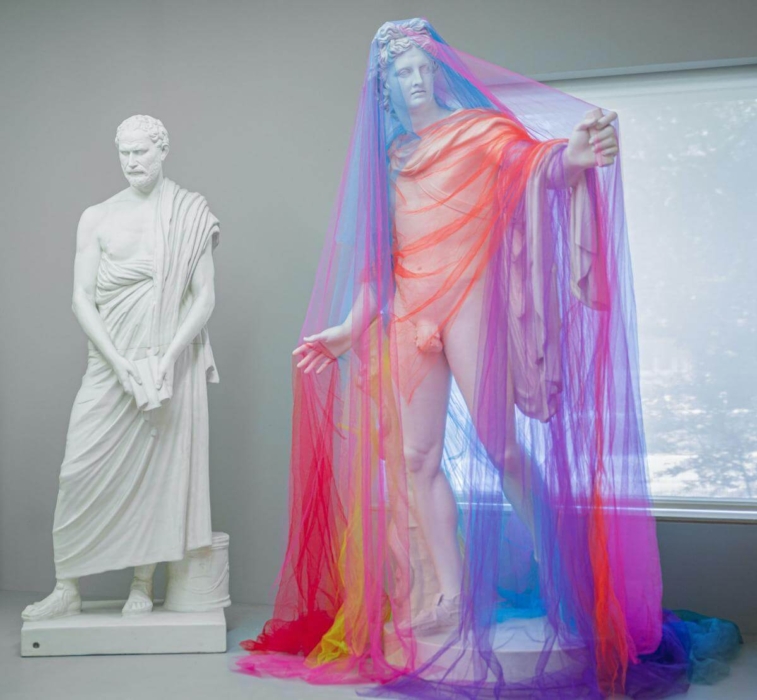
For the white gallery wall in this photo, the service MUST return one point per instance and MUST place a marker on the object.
(259, 99)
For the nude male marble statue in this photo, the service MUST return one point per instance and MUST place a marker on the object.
(427, 357)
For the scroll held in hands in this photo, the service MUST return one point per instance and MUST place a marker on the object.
(147, 395)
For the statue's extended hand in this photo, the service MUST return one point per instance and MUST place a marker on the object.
(593, 141)
(125, 369)
(321, 349)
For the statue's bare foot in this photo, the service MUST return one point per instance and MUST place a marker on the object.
(140, 598)
(443, 616)
(62, 602)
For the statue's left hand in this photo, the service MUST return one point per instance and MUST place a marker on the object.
(594, 141)
(164, 367)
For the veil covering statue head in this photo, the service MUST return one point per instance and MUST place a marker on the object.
(489, 303)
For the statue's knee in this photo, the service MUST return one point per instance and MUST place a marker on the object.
(421, 462)
(512, 461)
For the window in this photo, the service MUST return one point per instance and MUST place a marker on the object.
(689, 155)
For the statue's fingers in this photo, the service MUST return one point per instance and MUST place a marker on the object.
(318, 362)
(132, 370)
(324, 364)
(323, 348)
(606, 119)
(602, 146)
(606, 133)
(313, 361)
(307, 359)
(594, 113)
(586, 124)
(307, 356)
(606, 159)
(607, 139)
(590, 119)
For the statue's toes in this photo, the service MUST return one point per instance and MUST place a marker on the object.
(30, 612)
(57, 604)
(137, 607)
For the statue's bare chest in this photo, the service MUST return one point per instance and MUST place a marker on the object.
(128, 232)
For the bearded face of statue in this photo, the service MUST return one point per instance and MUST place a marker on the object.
(141, 159)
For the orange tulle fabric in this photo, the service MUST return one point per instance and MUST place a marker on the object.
(453, 189)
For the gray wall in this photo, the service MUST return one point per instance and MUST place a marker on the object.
(259, 99)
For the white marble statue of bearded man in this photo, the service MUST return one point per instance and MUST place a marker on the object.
(134, 480)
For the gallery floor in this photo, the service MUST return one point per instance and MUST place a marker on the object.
(205, 676)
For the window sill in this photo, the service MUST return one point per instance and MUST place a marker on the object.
(688, 510)
(704, 510)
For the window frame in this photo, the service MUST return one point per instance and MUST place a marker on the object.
(658, 79)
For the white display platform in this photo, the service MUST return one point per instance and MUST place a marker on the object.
(101, 629)
(517, 644)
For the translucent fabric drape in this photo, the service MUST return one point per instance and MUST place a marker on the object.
(469, 226)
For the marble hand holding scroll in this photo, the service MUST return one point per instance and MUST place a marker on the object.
(156, 385)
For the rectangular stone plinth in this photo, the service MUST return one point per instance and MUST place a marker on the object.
(101, 629)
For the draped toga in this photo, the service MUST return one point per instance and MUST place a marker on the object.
(134, 480)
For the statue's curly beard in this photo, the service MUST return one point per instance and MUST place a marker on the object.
(145, 180)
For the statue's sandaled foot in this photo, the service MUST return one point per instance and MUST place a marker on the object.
(62, 602)
(443, 616)
(140, 598)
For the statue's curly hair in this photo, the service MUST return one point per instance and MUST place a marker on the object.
(150, 125)
(394, 39)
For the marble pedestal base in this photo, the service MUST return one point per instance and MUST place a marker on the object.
(517, 645)
(101, 629)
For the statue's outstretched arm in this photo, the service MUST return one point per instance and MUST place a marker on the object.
(321, 349)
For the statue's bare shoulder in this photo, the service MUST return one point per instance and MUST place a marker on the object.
(102, 209)
(93, 217)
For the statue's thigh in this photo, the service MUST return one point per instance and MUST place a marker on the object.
(423, 385)
(490, 402)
